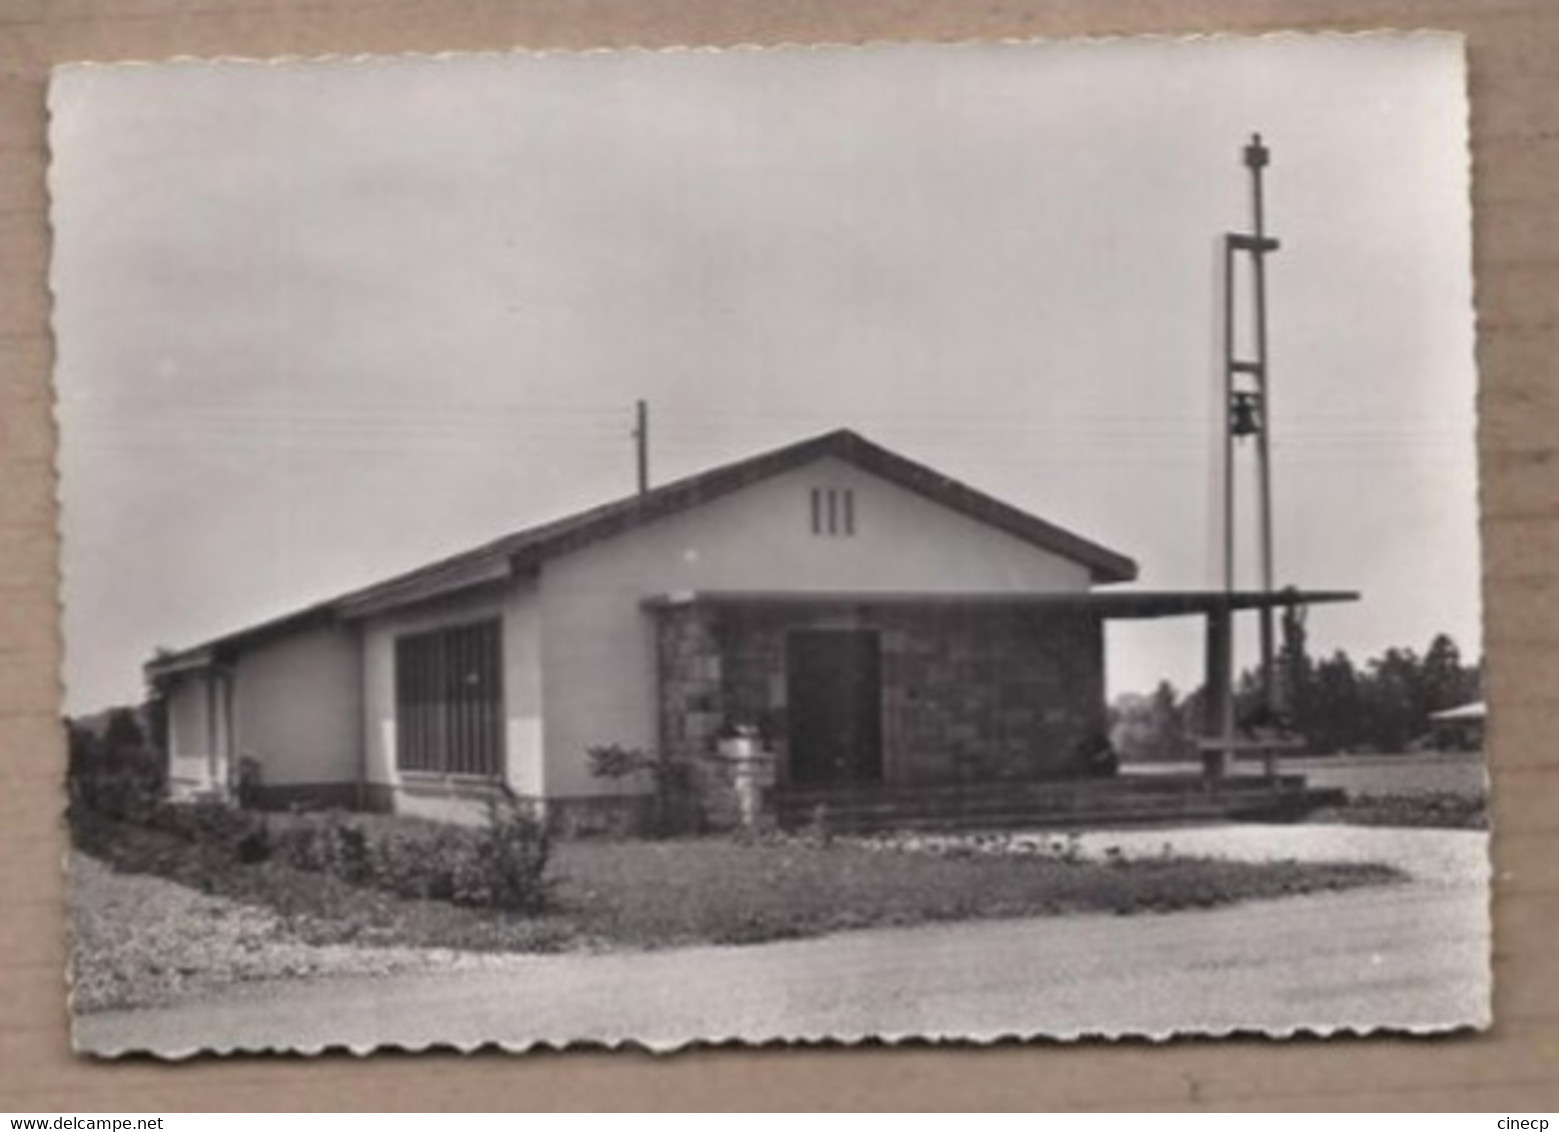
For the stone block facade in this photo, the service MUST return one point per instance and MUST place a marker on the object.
(971, 692)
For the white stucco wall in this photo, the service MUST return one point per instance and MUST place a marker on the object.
(516, 606)
(598, 645)
(297, 707)
(189, 735)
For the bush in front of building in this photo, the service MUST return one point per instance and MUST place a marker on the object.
(675, 810)
(117, 782)
(508, 862)
(113, 771)
(500, 865)
(1095, 757)
(324, 843)
(238, 835)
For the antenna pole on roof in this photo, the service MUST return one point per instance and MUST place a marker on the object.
(641, 438)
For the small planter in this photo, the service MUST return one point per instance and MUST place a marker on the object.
(751, 769)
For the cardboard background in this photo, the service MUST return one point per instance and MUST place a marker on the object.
(1513, 48)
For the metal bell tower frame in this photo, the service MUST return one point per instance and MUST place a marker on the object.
(1248, 416)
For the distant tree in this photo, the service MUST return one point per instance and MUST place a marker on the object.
(123, 731)
(156, 710)
(112, 771)
(1331, 721)
(84, 753)
(1129, 730)
(1401, 698)
(1295, 670)
(1150, 728)
(1339, 706)
(1169, 724)
(1249, 698)
(1447, 681)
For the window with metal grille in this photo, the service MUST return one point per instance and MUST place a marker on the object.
(833, 511)
(449, 701)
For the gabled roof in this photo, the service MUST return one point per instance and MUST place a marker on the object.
(524, 550)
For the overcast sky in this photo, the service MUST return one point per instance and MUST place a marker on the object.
(318, 322)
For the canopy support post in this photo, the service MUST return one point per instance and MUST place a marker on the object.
(1218, 706)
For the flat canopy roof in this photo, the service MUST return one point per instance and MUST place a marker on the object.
(1124, 604)
(1466, 713)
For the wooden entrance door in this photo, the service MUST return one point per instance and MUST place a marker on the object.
(834, 681)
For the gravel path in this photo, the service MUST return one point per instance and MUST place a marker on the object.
(1441, 857)
(142, 941)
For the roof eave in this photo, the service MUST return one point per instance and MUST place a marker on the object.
(166, 666)
(402, 592)
(1116, 604)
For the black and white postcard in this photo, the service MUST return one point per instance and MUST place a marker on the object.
(904, 541)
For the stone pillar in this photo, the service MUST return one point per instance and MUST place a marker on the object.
(689, 675)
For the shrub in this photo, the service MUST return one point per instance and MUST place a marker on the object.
(409, 860)
(819, 828)
(250, 774)
(239, 834)
(422, 862)
(509, 866)
(1094, 756)
(501, 865)
(327, 844)
(676, 807)
(117, 776)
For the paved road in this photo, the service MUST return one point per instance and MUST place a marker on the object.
(1409, 956)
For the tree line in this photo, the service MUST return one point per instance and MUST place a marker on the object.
(1332, 703)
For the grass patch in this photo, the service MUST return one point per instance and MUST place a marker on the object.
(667, 893)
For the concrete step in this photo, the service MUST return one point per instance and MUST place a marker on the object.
(1064, 796)
(1058, 805)
(987, 812)
(1060, 791)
